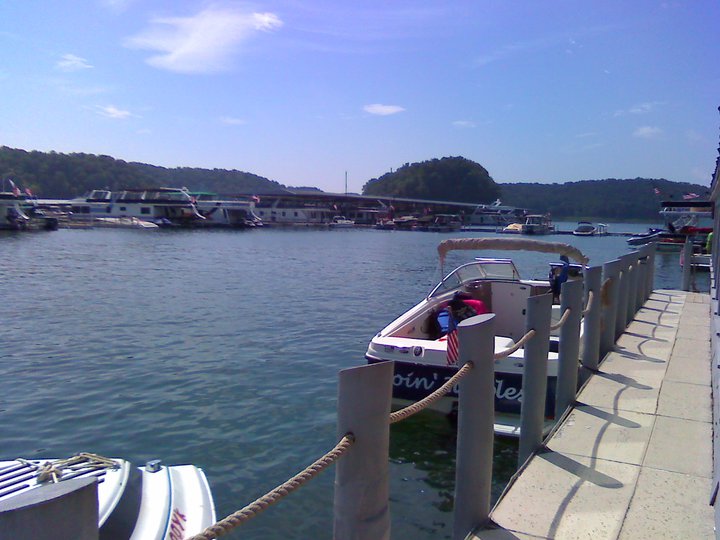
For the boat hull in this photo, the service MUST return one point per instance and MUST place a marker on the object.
(413, 381)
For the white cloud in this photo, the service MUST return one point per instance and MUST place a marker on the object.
(229, 120)
(647, 132)
(640, 108)
(203, 43)
(110, 111)
(70, 62)
(382, 110)
(464, 124)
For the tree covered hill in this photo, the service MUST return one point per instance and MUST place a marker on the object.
(55, 175)
(612, 199)
(456, 179)
(448, 179)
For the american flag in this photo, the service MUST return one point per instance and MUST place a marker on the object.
(657, 191)
(690, 196)
(453, 344)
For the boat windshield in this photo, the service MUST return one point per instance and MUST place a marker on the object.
(479, 270)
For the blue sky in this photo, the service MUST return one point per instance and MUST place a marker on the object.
(301, 92)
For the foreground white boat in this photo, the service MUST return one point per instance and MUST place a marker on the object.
(420, 352)
(153, 502)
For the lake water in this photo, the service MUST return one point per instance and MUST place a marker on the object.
(222, 349)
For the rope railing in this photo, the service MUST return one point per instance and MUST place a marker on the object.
(236, 519)
(428, 400)
(520, 343)
(561, 321)
(591, 295)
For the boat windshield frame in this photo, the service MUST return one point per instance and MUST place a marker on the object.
(478, 270)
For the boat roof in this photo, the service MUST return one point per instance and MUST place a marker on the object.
(690, 203)
(516, 244)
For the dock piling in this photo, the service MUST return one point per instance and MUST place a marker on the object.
(534, 383)
(591, 329)
(611, 278)
(475, 428)
(569, 346)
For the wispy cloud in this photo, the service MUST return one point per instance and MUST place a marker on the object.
(231, 121)
(110, 111)
(70, 62)
(647, 132)
(202, 43)
(640, 108)
(464, 124)
(382, 110)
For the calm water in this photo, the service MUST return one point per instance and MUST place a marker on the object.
(222, 348)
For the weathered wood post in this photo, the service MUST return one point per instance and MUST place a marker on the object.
(361, 478)
(611, 273)
(627, 298)
(475, 430)
(687, 254)
(571, 298)
(633, 288)
(534, 383)
(641, 278)
(591, 326)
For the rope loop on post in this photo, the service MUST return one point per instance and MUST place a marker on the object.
(562, 320)
(520, 343)
(585, 311)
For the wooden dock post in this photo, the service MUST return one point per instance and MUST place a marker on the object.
(651, 250)
(571, 298)
(362, 489)
(534, 383)
(475, 429)
(591, 327)
(641, 280)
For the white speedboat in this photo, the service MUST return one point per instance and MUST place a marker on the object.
(419, 347)
(154, 502)
(341, 222)
(585, 228)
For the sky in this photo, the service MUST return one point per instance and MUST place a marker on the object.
(314, 92)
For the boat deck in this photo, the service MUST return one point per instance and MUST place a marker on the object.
(633, 459)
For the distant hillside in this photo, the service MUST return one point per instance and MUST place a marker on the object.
(610, 199)
(53, 175)
(448, 179)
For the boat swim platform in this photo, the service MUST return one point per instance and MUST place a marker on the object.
(633, 458)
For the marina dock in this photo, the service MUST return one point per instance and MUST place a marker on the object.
(633, 458)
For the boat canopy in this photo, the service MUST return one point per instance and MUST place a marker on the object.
(510, 244)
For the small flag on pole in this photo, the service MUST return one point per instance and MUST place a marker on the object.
(29, 193)
(657, 191)
(453, 344)
(688, 196)
(15, 189)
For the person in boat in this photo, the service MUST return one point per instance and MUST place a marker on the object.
(558, 276)
(462, 306)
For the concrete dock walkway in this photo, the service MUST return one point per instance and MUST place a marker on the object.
(633, 459)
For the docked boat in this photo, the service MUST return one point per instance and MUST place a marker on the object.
(585, 228)
(162, 206)
(18, 214)
(495, 214)
(341, 222)
(537, 224)
(153, 502)
(417, 340)
(439, 223)
(513, 228)
(223, 212)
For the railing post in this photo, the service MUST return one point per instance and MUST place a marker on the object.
(651, 250)
(475, 429)
(361, 479)
(569, 346)
(627, 300)
(68, 509)
(687, 254)
(641, 278)
(591, 326)
(623, 287)
(611, 273)
(534, 382)
(633, 287)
